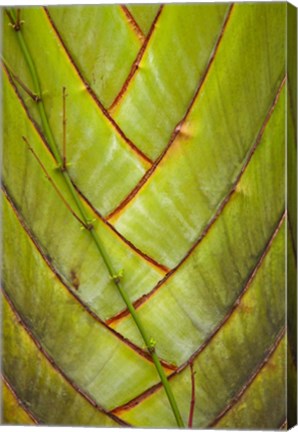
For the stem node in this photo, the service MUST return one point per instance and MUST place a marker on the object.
(17, 23)
(151, 345)
(117, 277)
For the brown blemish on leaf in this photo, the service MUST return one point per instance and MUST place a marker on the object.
(75, 281)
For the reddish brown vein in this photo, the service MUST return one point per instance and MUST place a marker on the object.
(26, 89)
(284, 424)
(219, 211)
(133, 23)
(124, 239)
(91, 92)
(19, 401)
(143, 353)
(251, 379)
(135, 65)
(178, 127)
(99, 215)
(55, 366)
(137, 400)
(54, 184)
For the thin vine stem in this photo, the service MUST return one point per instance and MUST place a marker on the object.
(116, 278)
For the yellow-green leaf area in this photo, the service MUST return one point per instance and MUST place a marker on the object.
(198, 171)
(105, 66)
(76, 257)
(197, 297)
(231, 357)
(168, 74)
(265, 396)
(198, 242)
(144, 15)
(87, 351)
(95, 150)
(39, 384)
(12, 412)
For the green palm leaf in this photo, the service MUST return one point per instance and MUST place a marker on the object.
(176, 118)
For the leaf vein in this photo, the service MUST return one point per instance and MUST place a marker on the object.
(219, 211)
(141, 352)
(10, 387)
(177, 129)
(90, 91)
(90, 205)
(55, 366)
(136, 63)
(130, 404)
(251, 378)
(133, 23)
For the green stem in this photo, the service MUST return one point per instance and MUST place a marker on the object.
(101, 249)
